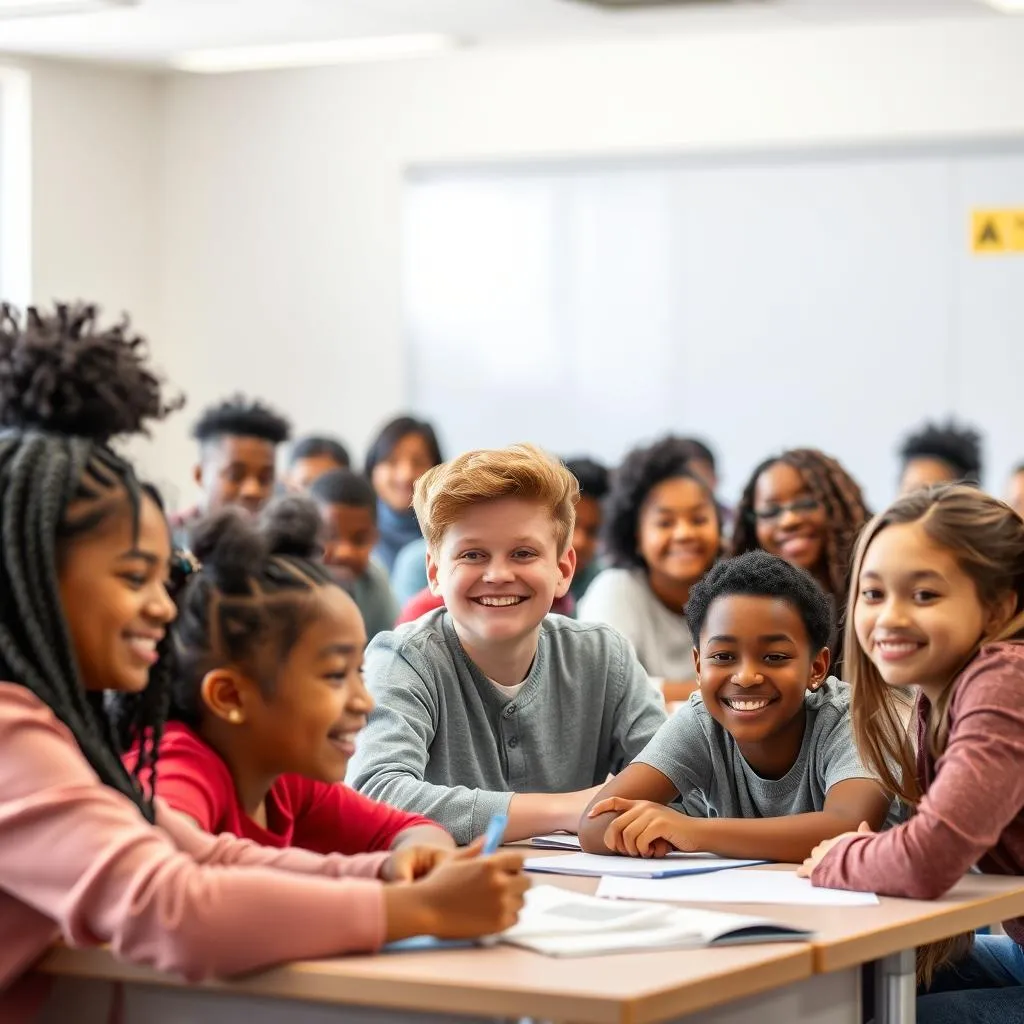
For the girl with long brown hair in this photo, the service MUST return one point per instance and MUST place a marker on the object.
(937, 603)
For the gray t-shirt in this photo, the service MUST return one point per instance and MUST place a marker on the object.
(714, 780)
(444, 742)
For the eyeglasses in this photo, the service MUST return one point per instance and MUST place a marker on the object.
(802, 506)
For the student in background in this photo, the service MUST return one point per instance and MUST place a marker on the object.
(310, 458)
(348, 511)
(804, 507)
(269, 699)
(662, 533)
(238, 442)
(940, 454)
(938, 604)
(403, 451)
(1015, 490)
(762, 757)
(705, 465)
(491, 705)
(586, 537)
(83, 568)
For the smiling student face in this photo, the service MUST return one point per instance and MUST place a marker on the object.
(678, 532)
(499, 570)
(310, 723)
(754, 666)
(394, 477)
(790, 522)
(236, 471)
(917, 614)
(113, 591)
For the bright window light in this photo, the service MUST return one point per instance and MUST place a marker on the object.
(1007, 6)
(44, 8)
(322, 52)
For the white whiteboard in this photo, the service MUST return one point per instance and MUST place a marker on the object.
(761, 303)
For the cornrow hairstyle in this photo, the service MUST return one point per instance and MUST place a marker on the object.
(393, 432)
(252, 596)
(640, 472)
(241, 417)
(959, 447)
(315, 445)
(840, 495)
(593, 478)
(67, 387)
(759, 574)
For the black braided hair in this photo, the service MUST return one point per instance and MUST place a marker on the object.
(249, 599)
(840, 495)
(66, 389)
(639, 473)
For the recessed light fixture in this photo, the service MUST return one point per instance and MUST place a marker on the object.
(45, 8)
(1007, 6)
(312, 54)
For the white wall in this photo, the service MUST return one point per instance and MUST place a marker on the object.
(281, 203)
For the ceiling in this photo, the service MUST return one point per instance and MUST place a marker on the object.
(155, 30)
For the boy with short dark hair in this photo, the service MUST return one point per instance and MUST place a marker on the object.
(238, 441)
(347, 504)
(762, 757)
(310, 458)
(490, 705)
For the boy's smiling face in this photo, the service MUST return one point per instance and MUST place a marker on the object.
(755, 665)
(499, 570)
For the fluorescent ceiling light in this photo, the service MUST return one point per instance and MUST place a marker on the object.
(1007, 6)
(321, 52)
(44, 8)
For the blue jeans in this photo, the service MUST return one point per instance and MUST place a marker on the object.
(986, 988)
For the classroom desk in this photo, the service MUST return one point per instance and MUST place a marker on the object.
(815, 983)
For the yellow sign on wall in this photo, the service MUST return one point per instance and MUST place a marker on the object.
(997, 231)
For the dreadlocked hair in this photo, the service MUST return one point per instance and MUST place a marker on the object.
(67, 387)
(249, 601)
(839, 494)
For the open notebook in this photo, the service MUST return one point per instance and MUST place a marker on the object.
(558, 922)
(562, 923)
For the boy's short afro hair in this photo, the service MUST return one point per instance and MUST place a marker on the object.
(957, 446)
(592, 476)
(241, 417)
(758, 574)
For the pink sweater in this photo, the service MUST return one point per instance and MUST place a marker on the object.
(973, 808)
(78, 862)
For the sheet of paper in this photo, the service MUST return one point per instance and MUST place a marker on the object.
(633, 867)
(556, 841)
(781, 887)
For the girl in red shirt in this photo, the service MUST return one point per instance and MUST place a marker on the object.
(269, 697)
(937, 604)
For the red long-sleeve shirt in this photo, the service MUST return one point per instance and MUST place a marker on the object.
(973, 808)
(193, 779)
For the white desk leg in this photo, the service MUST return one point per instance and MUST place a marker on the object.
(896, 988)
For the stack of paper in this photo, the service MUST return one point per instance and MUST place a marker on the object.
(634, 867)
(558, 922)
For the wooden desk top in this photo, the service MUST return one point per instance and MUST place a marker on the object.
(636, 988)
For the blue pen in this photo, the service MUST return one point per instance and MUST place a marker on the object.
(494, 834)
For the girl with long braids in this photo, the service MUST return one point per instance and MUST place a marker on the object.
(84, 561)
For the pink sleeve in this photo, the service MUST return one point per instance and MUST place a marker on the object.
(977, 791)
(82, 855)
(337, 818)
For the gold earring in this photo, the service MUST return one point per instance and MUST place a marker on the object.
(234, 716)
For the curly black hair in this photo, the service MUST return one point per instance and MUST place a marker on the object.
(592, 477)
(759, 574)
(67, 386)
(640, 472)
(840, 495)
(239, 416)
(315, 445)
(959, 447)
